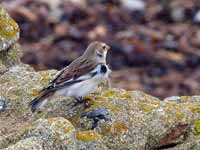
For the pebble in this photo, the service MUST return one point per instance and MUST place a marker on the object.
(133, 4)
(2, 104)
(173, 99)
(178, 14)
(98, 113)
(197, 17)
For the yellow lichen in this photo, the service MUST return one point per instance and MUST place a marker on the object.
(8, 27)
(106, 129)
(97, 101)
(185, 97)
(86, 136)
(148, 107)
(197, 125)
(45, 78)
(113, 108)
(109, 93)
(172, 104)
(195, 108)
(119, 128)
(167, 110)
(59, 124)
(180, 115)
(126, 95)
(68, 129)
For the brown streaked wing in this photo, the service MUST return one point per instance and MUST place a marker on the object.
(75, 70)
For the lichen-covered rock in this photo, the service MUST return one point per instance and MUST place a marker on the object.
(18, 86)
(135, 120)
(11, 57)
(9, 30)
(190, 145)
(10, 51)
(54, 132)
(32, 143)
(3, 68)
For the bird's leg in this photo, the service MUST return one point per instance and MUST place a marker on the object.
(79, 99)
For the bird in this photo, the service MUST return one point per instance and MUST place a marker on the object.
(79, 78)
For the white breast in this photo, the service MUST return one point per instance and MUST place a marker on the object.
(82, 88)
(87, 84)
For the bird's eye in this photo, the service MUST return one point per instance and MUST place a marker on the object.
(104, 47)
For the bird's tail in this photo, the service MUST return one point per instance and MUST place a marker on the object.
(39, 101)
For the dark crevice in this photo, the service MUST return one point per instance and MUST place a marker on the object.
(2, 73)
(171, 145)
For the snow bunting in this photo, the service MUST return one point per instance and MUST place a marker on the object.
(79, 78)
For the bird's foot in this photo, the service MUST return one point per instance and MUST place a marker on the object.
(81, 100)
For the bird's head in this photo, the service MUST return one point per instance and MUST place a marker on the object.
(97, 51)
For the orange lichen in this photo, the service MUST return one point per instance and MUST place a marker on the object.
(34, 93)
(86, 136)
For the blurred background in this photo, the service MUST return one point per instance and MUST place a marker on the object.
(155, 43)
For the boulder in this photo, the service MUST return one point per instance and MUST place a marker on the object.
(10, 51)
(9, 30)
(134, 120)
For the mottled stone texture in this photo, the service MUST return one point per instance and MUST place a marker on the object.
(134, 121)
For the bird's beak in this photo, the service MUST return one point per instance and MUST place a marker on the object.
(108, 47)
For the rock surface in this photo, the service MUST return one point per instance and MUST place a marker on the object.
(135, 120)
(9, 30)
(10, 52)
